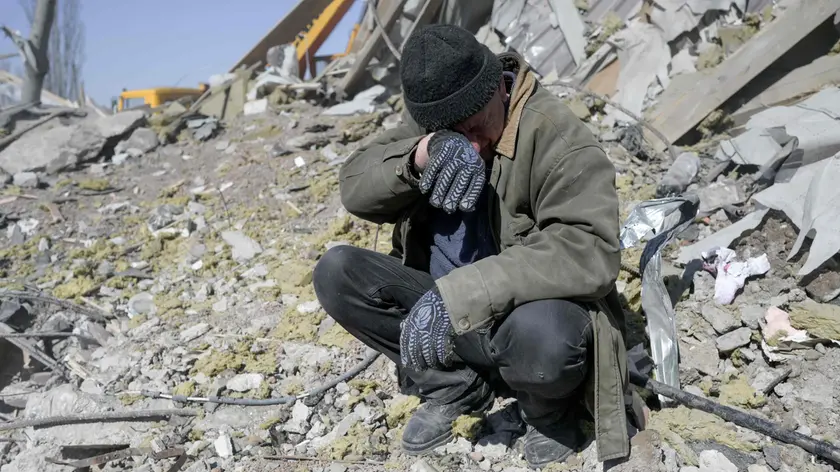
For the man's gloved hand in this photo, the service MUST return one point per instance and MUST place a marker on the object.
(454, 174)
(426, 341)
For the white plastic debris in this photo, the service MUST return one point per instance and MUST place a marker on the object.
(299, 162)
(732, 274)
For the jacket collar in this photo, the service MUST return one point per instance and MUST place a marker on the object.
(523, 88)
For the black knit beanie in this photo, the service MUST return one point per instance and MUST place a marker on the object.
(447, 76)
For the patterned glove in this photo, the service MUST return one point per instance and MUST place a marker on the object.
(454, 174)
(427, 334)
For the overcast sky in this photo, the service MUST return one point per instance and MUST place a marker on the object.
(153, 43)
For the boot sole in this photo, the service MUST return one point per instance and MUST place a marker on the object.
(541, 465)
(420, 449)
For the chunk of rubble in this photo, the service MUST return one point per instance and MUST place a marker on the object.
(242, 247)
(715, 461)
(142, 139)
(223, 446)
(731, 341)
(245, 382)
(26, 180)
(721, 320)
(194, 332)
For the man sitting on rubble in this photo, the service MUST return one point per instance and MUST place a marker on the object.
(505, 253)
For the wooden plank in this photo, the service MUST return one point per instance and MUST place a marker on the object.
(688, 101)
(605, 81)
(285, 31)
(792, 87)
(372, 45)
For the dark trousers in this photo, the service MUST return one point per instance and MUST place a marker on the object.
(539, 351)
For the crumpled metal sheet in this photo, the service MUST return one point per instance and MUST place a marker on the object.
(663, 218)
(675, 17)
(644, 57)
(810, 199)
(530, 29)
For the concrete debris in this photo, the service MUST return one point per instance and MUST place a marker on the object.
(722, 321)
(364, 102)
(26, 180)
(203, 128)
(242, 247)
(141, 304)
(142, 139)
(194, 332)
(223, 446)
(731, 341)
(210, 293)
(245, 382)
(714, 461)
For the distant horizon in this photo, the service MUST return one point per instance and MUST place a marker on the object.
(167, 44)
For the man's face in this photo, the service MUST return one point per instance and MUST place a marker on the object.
(484, 129)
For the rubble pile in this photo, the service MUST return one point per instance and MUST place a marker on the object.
(170, 251)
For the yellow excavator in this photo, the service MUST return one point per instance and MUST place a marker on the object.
(155, 97)
(318, 18)
(306, 42)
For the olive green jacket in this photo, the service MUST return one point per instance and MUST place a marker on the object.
(554, 215)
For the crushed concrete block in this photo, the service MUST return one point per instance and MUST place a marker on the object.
(242, 247)
(26, 180)
(714, 461)
(721, 320)
(223, 445)
(141, 139)
(731, 341)
(245, 382)
(52, 149)
(194, 332)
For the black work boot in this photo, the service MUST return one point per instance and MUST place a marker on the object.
(554, 442)
(431, 424)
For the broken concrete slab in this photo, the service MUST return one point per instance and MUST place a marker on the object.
(363, 102)
(721, 320)
(52, 149)
(731, 341)
(243, 248)
(26, 180)
(120, 123)
(141, 139)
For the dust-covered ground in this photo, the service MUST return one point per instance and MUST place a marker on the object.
(201, 254)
